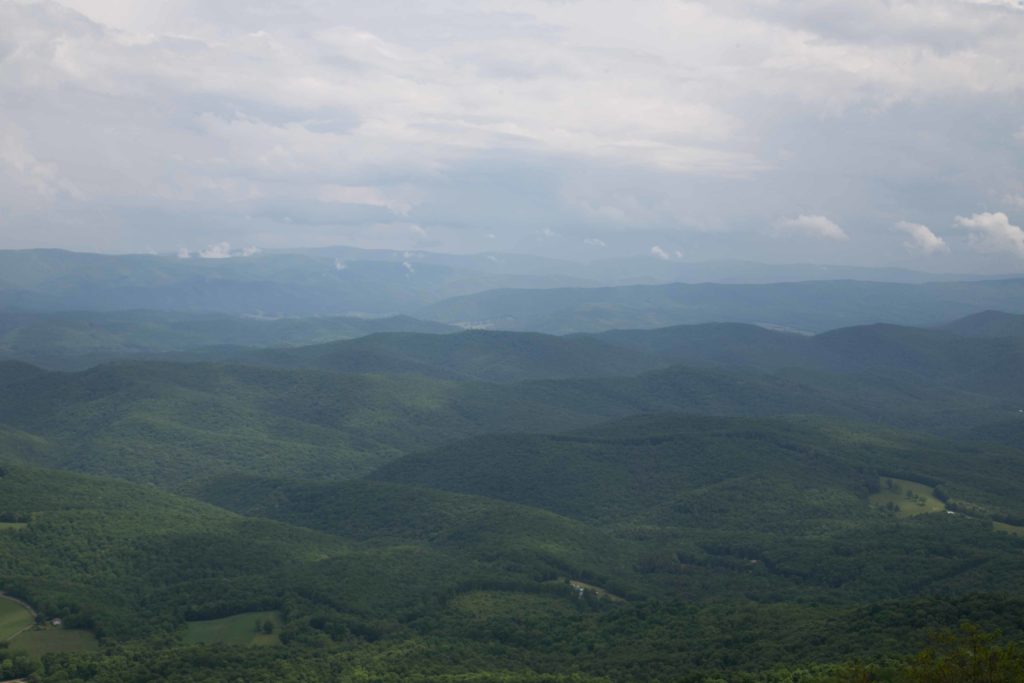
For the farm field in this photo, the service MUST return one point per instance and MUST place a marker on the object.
(13, 618)
(906, 498)
(1009, 528)
(45, 641)
(239, 629)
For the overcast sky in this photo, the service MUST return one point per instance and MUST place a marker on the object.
(856, 131)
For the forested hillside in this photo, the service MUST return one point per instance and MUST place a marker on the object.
(709, 502)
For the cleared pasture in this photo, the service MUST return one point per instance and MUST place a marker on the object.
(45, 641)
(239, 629)
(14, 618)
(906, 498)
(1009, 528)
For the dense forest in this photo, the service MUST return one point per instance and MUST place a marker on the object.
(196, 497)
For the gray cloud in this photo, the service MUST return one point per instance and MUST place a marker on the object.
(133, 125)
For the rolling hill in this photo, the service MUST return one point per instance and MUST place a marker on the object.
(805, 306)
(988, 324)
(72, 340)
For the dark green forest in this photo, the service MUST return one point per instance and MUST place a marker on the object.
(714, 502)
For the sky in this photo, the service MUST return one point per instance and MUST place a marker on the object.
(870, 132)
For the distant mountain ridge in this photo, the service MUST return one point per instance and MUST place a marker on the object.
(275, 284)
(348, 281)
(988, 324)
(805, 306)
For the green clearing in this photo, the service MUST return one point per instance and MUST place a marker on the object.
(1009, 528)
(906, 498)
(596, 590)
(14, 617)
(239, 629)
(12, 526)
(44, 641)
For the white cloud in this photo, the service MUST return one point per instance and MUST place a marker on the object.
(993, 233)
(658, 252)
(921, 238)
(216, 251)
(594, 242)
(617, 115)
(665, 254)
(810, 226)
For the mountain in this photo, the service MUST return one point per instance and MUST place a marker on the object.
(987, 365)
(126, 560)
(408, 528)
(472, 355)
(988, 324)
(180, 424)
(744, 530)
(806, 306)
(271, 284)
(638, 469)
(346, 281)
(981, 365)
(78, 339)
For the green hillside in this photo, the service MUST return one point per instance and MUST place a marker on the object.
(710, 532)
(713, 502)
(179, 424)
(475, 355)
(124, 560)
(78, 339)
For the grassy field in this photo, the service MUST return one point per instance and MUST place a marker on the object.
(909, 498)
(239, 629)
(13, 618)
(45, 641)
(12, 526)
(1009, 528)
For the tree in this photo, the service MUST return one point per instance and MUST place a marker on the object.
(967, 656)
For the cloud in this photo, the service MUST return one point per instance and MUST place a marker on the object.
(666, 255)
(921, 238)
(594, 242)
(134, 124)
(216, 251)
(810, 226)
(992, 233)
